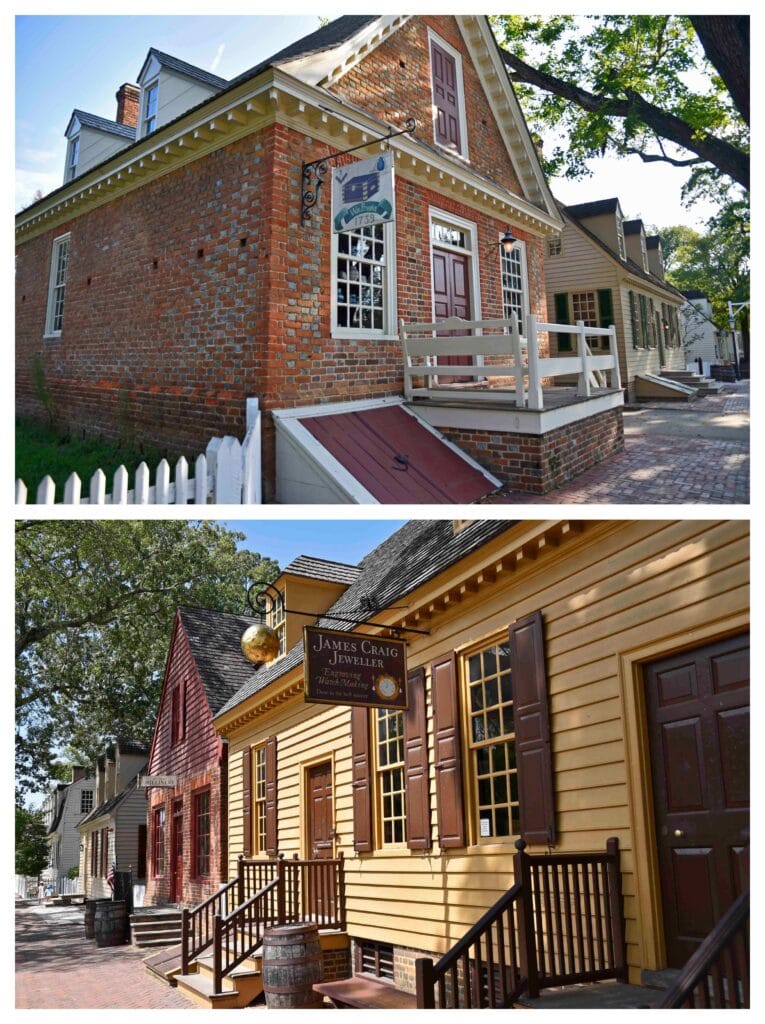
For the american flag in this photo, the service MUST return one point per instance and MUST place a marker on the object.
(110, 876)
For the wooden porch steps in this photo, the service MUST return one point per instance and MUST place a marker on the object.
(701, 384)
(165, 963)
(155, 927)
(606, 995)
(240, 988)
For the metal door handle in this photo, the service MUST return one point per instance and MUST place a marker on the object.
(678, 833)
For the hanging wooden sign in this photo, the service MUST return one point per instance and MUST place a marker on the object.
(363, 193)
(354, 668)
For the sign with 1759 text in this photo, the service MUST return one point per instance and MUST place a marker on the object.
(354, 668)
(363, 193)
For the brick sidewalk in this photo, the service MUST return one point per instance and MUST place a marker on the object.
(57, 968)
(660, 469)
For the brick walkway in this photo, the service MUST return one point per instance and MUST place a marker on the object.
(57, 968)
(658, 469)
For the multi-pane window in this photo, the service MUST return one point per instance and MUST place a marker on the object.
(93, 854)
(57, 286)
(86, 801)
(74, 153)
(276, 618)
(260, 798)
(620, 240)
(585, 308)
(150, 108)
(513, 283)
(554, 246)
(492, 742)
(158, 842)
(391, 786)
(361, 268)
(202, 834)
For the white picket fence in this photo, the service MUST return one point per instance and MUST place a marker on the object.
(226, 473)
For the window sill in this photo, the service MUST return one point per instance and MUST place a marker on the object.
(341, 334)
(54, 336)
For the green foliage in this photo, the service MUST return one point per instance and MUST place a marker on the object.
(73, 872)
(715, 262)
(40, 385)
(42, 451)
(95, 603)
(624, 84)
(31, 843)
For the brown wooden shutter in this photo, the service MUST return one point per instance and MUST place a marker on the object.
(247, 801)
(272, 828)
(418, 836)
(360, 780)
(532, 730)
(448, 756)
(445, 97)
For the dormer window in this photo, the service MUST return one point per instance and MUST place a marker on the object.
(150, 100)
(644, 252)
(72, 156)
(449, 124)
(276, 619)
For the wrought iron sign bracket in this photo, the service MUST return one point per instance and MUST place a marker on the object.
(315, 171)
(269, 598)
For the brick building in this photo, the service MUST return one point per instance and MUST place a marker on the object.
(186, 819)
(162, 286)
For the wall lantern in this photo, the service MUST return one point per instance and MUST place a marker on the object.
(507, 241)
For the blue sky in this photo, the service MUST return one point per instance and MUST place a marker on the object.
(346, 540)
(63, 62)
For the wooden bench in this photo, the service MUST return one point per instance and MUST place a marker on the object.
(363, 993)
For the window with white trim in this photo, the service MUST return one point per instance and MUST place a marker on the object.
(150, 101)
(585, 308)
(391, 785)
(448, 94)
(72, 157)
(554, 246)
(620, 239)
(86, 801)
(363, 259)
(276, 618)
(54, 319)
(515, 297)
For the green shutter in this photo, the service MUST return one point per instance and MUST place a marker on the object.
(634, 320)
(643, 320)
(562, 317)
(605, 307)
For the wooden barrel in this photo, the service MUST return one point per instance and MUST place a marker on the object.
(111, 923)
(90, 917)
(292, 964)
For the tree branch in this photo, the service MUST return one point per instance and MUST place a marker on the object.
(728, 158)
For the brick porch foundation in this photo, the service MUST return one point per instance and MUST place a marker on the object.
(538, 463)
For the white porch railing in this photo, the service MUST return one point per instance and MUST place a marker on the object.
(227, 473)
(424, 343)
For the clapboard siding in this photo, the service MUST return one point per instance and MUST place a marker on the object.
(616, 588)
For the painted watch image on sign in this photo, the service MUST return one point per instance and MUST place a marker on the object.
(363, 193)
(354, 668)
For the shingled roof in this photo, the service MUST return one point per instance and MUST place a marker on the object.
(593, 209)
(322, 569)
(215, 642)
(186, 69)
(103, 124)
(413, 555)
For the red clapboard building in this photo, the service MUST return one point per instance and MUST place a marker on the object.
(186, 815)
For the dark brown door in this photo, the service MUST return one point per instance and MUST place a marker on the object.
(176, 853)
(320, 888)
(698, 718)
(451, 297)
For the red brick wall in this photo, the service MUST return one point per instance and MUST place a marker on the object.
(538, 464)
(393, 92)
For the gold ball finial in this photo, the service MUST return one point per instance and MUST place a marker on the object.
(260, 643)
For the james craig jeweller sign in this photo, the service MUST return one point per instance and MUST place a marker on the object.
(354, 668)
(362, 193)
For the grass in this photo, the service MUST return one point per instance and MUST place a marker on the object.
(42, 451)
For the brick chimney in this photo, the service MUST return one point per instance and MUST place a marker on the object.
(78, 772)
(128, 102)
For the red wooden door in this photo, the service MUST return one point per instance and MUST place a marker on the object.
(176, 853)
(698, 717)
(444, 68)
(451, 297)
(320, 888)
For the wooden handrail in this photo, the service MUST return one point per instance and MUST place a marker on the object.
(239, 934)
(197, 924)
(717, 974)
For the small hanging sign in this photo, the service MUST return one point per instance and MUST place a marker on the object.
(354, 668)
(363, 193)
